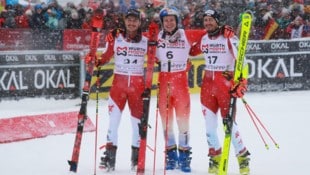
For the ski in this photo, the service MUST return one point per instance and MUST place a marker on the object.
(143, 126)
(97, 23)
(238, 73)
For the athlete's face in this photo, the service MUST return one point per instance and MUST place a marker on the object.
(169, 23)
(210, 23)
(132, 23)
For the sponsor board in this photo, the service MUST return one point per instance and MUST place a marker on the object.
(32, 74)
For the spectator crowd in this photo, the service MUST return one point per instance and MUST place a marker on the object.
(272, 19)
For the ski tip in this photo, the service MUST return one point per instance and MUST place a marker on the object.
(247, 14)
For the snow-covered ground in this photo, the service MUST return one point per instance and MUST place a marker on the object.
(284, 114)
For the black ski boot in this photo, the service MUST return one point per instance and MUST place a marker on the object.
(134, 158)
(108, 159)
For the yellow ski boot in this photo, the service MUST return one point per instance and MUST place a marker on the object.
(243, 161)
(214, 164)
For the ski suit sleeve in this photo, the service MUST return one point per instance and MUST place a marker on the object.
(107, 55)
(195, 44)
(110, 40)
(195, 49)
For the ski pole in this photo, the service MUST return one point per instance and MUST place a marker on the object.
(156, 126)
(97, 104)
(252, 113)
(258, 130)
(167, 114)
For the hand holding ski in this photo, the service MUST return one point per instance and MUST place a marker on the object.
(239, 89)
(238, 76)
(143, 126)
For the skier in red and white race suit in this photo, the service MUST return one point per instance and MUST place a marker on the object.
(129, 48)
(172, 54)
(219, 48)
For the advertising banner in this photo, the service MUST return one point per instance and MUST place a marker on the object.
(79, 39)
(279, 71)
(25, 39)
(31, 74)
(279, 65)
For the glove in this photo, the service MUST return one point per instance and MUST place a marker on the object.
(98, 62)
(146, 92)
(157, 61)
(88, 58)
(239, 89)
(114, 33)
(101, 61)
(227, 31)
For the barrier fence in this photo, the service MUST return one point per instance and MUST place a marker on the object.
(50, 64)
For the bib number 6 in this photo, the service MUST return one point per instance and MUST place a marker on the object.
(169, 55)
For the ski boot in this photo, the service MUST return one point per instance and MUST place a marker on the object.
(134, 158)
(214, 163)
(243, 161)
(171, 158)
(185, 160)
(108, 160)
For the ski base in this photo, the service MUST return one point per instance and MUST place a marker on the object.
(73, 166)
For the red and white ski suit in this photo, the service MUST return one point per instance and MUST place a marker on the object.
(220, 54)
(174, 97)
(127, 85)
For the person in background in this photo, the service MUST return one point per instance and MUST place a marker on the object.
(9, 17)
(22, 18)
(128, 47)
(283, 19)
(38, 19)
(172, 54)
(296, 28)
(52, 21)
(2, 18)
(87, 19)
(218, 46)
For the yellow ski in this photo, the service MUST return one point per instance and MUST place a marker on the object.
(239, 72)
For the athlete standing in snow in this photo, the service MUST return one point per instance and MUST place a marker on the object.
(172, 53)
(129, 48)
(218, 46)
